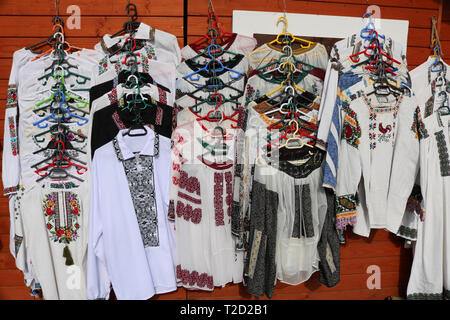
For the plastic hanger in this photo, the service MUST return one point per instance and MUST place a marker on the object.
(444, 108)
(62, 110)
(286, 34)
(221, 34)
(216, 115)
(207, 68)
(60, 129)
(61, 165)
(131, 25)
(295, 139)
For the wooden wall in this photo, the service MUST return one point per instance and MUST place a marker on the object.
(28, 21)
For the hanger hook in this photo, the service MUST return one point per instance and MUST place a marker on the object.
(285, 21)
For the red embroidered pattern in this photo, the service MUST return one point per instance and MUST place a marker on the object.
(189, 198)
(193, 278)
(229, 188)
(186, 212)
(162, 96)
(190, 184)
(117, 121)
(218, 198)
(159, 116)
(113, 96)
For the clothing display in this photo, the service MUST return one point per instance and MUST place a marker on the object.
(203, 159)
(139, 169)
(427, 141)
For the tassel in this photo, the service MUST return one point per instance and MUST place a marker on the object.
(68, 256)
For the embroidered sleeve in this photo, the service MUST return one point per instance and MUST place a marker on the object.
(345, 211)
(10, 161)
(351, 130)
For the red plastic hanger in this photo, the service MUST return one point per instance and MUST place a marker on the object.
(224, 116)
(58, 158)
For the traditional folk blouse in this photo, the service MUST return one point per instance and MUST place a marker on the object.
(131, 242)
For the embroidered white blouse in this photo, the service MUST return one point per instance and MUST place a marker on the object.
(131, 242)
(55, 225)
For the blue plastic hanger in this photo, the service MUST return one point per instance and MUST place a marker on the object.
(221, 68)
(64, 116)
(437, 55)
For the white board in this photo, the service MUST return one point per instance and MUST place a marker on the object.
(315, 25)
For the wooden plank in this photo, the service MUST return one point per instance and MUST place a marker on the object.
(90, 26)
(4, 204)
(15, 293)
(400, 264)
(4, 225)
(9, 45)
(4, 243)
(111, 8)
(348, 282)
(7, 261)
(418, 55)
(180, 294)
(359, 294)
(11, 278)
(375, 235)
(371, 250)
(445, 31)
(198, 11)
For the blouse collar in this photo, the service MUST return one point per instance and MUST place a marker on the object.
(144, 32)
(150, 148)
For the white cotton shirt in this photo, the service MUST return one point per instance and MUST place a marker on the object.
(116, 253)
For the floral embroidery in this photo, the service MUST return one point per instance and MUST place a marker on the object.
(194, 278)
(102, 65)
(13, 136)
(7, 191)
(345, 211)
(443, 154)
(162, 95)
(251, 94)
(145, 66)
(418, 127)
(62, 210)
(11, 97)
(188, 213)
(139, 173)
(218, 198)
(190, 184)
(351, 129)
(17, 243)
(150, 52)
